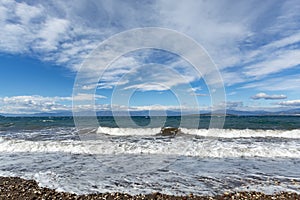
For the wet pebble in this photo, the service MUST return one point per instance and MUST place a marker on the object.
(12, 188)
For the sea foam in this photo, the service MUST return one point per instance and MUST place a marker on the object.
(218, 133)
(179, 146)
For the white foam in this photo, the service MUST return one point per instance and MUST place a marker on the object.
(47, 120)
(243, 133)
(176, 146)
(13, 145)
(128, 131)
(217, 133)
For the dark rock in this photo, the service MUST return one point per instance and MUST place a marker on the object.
(169, 131)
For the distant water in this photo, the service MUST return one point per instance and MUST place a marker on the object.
(250, 153)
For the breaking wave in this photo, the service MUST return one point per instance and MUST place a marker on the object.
(179, 146)
(217, 133)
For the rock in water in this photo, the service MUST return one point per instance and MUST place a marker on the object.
(169, 131)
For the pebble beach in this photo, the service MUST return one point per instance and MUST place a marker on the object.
(17, 188)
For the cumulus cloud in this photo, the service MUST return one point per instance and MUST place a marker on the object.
(268, 97)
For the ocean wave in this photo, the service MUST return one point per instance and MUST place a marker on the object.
(243, 133)
(204, 148)
(217, 133)
(128, 131)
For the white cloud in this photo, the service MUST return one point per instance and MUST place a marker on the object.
(273, 46)
(53, 31)
(158, 108)
(232, 78)
(257, 41)
(64, 32)
(218, 33)
(195, 89)
(89, 87)
(148, 87)
(37, 104)
(268, 97)
(234, 104)
(283, 83)
(33, 104)
(232, 93)
(228, 105)
(26, 13)
(282, 60)
(201, 94)
(289, 40)
(87, 96)
(295, 103)
(132, 72)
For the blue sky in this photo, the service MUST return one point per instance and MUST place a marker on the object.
(254, 44)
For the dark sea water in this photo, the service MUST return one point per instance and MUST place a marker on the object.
(260, 153)
(232, 122)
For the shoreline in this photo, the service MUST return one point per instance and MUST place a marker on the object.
(18, 188)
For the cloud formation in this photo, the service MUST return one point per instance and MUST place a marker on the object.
(33, 104)
(282, 83)
(64, 32)
(293, 103)
(40, 104)
(254, 47)
(234, 34)
(268, 97)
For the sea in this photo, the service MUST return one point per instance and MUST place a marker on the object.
(251, 153)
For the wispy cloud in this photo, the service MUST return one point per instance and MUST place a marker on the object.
(247, 42)
(234, 40)
(87, 96)
(149, 70)
(282, 83)
(268, 97)
(201, 94)
(278, 61)
(53, 31)
(49, 26)
(229, 105)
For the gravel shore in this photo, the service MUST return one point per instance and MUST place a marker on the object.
(16, 188)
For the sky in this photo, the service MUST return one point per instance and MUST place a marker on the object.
(254, 44)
